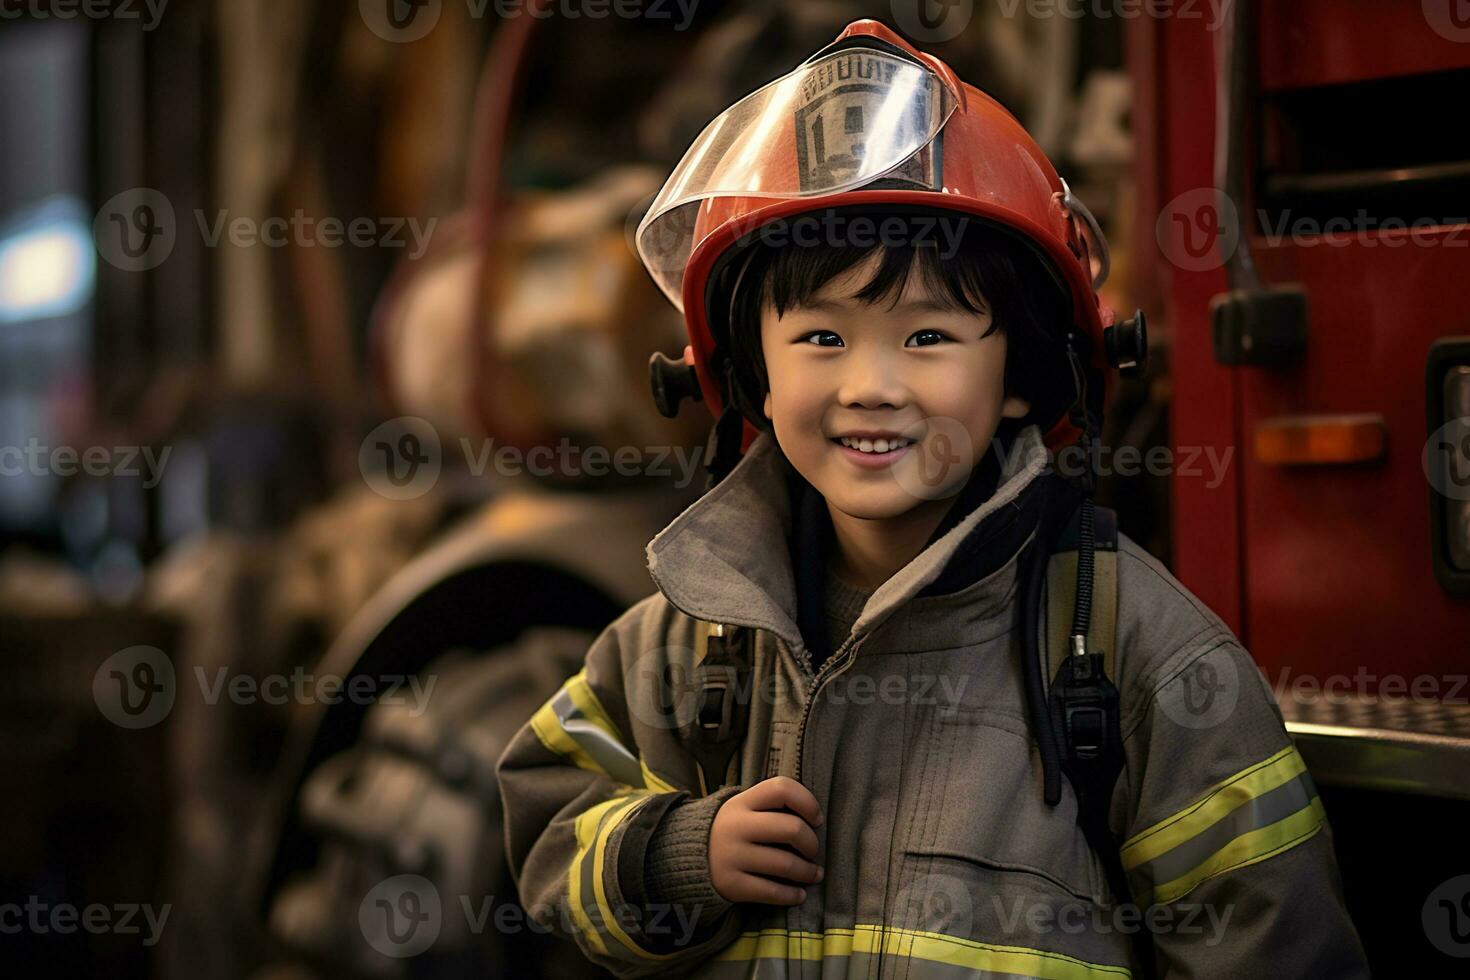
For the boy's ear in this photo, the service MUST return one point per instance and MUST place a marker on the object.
(766, 405)
(1014, 407)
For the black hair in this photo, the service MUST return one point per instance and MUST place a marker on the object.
(992, 270)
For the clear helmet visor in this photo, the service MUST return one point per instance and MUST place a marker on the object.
(838, 122)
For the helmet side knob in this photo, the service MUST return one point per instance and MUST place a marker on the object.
(672, 382)
(1127, 345)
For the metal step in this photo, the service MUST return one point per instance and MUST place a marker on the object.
(1397, 745)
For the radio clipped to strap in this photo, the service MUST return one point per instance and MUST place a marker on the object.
(1081, 623)
(716, 727)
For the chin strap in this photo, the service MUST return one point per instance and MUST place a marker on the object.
(1086, 411)
(722, 451)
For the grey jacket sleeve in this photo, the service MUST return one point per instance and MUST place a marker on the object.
(1226, 844)
(605, 841)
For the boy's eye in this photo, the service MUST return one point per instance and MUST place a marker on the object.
(819, 337)
(927, 338)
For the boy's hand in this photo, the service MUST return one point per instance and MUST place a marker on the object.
(764, 831)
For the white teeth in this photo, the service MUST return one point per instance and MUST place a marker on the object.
(874, 445)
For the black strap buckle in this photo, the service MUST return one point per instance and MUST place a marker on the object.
(1086, 727)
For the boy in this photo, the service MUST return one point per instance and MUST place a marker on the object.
(812, 751)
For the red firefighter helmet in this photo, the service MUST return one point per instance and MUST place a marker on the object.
(867, 121)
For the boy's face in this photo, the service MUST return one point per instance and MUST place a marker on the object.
(921, 374)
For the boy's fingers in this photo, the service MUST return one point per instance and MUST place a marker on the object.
(783, 828)
(775, 862)
(767, 794)
(783, 791)
(754, 888)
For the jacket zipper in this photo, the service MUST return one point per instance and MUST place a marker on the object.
(838, 662)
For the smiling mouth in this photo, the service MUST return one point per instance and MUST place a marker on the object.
(874, 447)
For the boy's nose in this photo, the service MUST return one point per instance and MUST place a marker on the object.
(872, 380)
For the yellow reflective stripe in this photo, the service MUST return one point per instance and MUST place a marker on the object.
(1218, 802)
(585, 827)
(779, 944)
(653, 780)
(548, 729)
(594, 829)
(934, 947)
(586, 701)
(548, 726)
(599, 856)
(1248, 849)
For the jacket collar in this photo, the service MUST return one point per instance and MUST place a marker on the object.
(725, 559)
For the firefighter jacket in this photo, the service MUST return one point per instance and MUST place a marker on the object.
(942, 858)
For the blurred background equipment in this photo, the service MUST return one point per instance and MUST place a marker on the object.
(245, 447)
(168, 290)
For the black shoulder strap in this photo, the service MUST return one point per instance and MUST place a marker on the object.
(722, 686)
(1084, 706)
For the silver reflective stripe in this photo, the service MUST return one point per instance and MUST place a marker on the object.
(1263, 810)
(609, 754)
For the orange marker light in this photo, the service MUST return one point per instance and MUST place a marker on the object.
(1317, 440)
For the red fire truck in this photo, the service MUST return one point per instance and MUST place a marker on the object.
(1304, 207)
